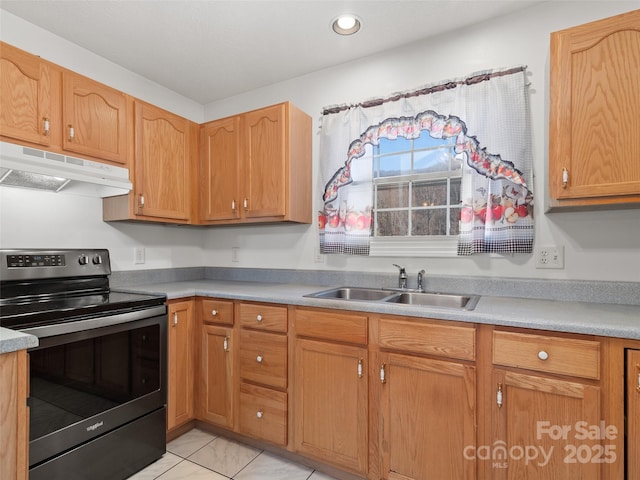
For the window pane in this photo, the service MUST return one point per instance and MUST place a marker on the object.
(431, 161)
(454, 223)
(400, 144)
(455, 191)
(429, 222)
(456, 162)
(427, 141)
(394, 165)
(394, 224)
(393, 196)
(429, 194)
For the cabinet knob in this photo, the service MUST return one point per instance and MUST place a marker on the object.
(259, 359)
(259, 414)
(258, 318)
(542, 355)
(214, 312)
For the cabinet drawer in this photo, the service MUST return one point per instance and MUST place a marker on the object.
(263, 413)
(263, 317)
(420, 336)
(263, 358)
(216, 311)
(335, 326)
(565, 356)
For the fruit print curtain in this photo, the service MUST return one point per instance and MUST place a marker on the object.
(487, 114)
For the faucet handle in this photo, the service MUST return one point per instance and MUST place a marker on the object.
(402, 269)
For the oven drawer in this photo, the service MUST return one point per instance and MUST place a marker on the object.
(263, 413)
(550, 354)
(263, 317)
(263, 358)
(216, 311)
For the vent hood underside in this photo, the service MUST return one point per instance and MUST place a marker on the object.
(26, 167)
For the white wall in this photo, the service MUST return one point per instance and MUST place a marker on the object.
(598, 245)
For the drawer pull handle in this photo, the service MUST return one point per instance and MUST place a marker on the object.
(259, 359)
(499, 396)
(46, 125)
(225, 344)
(258, 318)
(565, 178)
(542, 355)
(360, 368)
(72, 133)
(233, 205)
(259, 414)
(638, 386)
(214, 312)
(383, 373)
(175, 318)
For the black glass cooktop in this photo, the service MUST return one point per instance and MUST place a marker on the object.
(20, 313)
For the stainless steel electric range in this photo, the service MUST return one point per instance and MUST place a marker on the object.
(97, 380)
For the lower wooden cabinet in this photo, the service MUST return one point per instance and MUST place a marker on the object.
(427, 418)
(633, 414)
(331, 388)
(215, 376)
(180, 361)
(14, 416)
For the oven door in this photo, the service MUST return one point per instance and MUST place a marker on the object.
(90, 377)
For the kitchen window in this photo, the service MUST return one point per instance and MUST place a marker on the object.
(416, 185)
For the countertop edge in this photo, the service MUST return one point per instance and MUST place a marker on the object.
(13, 341)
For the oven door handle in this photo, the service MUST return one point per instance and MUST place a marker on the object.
(97, 322)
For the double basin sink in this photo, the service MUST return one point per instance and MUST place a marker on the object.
(404, 297)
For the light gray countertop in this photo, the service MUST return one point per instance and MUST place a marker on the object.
(611, 320)
(11, 341)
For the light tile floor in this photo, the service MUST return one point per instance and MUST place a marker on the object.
(199, 455)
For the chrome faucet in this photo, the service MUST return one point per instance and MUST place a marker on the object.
(420, 275)
(402, 279)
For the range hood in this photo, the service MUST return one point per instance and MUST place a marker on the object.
(27, 167)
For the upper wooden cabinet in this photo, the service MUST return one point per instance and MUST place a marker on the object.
(94, 117)
(165, 149)
(594, 121)
(25, 96)
(256, 167)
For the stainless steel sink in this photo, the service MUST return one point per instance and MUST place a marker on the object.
(354, 293)
(425, 299)
(444, 300)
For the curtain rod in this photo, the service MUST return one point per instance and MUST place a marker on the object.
(424, 91)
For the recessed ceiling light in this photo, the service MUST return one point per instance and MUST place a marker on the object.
(346, 24)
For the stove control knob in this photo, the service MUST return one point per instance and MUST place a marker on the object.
(97, 260)
(83, 260)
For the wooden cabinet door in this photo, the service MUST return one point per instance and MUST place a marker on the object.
(162, 164)
(180, 364)
(427, 419)
(538, 428)
(215, 404)
(94, 117)
(24, 96)
(14, 415)
(220, 197)
(595, 109)
(633, 414)
(331, 405)
(265, 162)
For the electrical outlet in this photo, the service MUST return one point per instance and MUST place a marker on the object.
(235, 254)
(138, 255)
(550, 256)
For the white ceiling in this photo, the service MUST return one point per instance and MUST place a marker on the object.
(208, 50)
